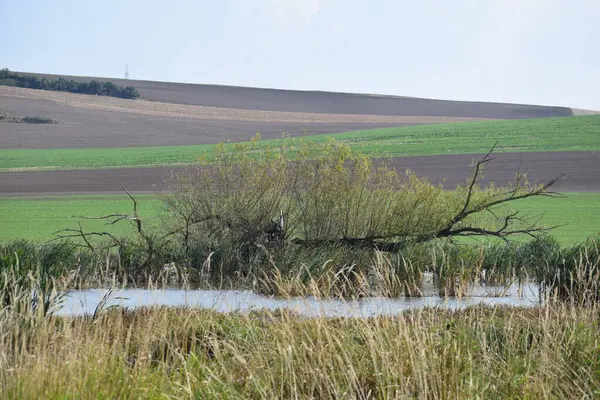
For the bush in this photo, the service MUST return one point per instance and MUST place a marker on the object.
(320, 194)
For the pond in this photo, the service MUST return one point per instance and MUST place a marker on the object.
(81, 302)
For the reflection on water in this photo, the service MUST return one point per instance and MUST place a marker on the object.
(85, 301)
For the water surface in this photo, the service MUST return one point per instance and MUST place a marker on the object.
(85, 301)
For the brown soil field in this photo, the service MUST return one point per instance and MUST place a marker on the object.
(185, 114)
(95, 121)
(323, 102)
(582, 171)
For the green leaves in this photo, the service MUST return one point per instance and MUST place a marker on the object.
(326, 190)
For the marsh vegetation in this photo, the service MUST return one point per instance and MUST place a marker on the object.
(547, 352)
(303, 219)
(315, 218)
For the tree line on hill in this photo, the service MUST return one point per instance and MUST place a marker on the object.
(9, 78)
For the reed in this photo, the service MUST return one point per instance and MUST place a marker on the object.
(571, 273)
(481, 352)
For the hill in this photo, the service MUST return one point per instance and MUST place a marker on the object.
(321, 102)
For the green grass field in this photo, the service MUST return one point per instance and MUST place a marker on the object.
(545, 134)
(37, 218)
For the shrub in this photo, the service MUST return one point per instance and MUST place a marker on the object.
(320, 194)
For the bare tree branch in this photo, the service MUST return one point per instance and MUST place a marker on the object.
(109, 219)
(476, 174)
(79, 233)
(531, 229)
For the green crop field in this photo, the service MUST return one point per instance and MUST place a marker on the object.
(573, 213)
(545, 134)
(37, 218)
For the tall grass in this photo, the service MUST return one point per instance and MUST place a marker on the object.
(550, 352)
(574, 273)
(570, 273)
(29, 273)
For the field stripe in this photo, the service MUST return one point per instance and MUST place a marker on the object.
(536, 135)
(582, 171)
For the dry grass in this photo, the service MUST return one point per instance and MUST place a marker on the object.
(152, 108)
(550, 352)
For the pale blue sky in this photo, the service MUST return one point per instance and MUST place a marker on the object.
(526, 51)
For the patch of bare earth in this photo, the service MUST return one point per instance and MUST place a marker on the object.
(580, 111)
(581, 169)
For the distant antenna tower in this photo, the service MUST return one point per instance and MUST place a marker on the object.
(126, 71)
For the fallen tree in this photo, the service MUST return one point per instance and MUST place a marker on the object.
(304, 211)
(321, 194)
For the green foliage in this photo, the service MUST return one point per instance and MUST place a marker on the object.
(38, 120)
(53, 260)
(324, 192)
(63, 85)
(8, 82)
(286, 212)
(568, 273)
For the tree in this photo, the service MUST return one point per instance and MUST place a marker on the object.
(130, 93)
(34, 83)
(110, 89)
(61, 85)
(95, 88)
(329, 195)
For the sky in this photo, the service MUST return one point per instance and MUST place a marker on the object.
(519, 51)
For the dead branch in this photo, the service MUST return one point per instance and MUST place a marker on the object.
(466, 211)
(109, 219)
(79, 233)
(531, 230)
(395, 241)
(135, 218)
(476, 174)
